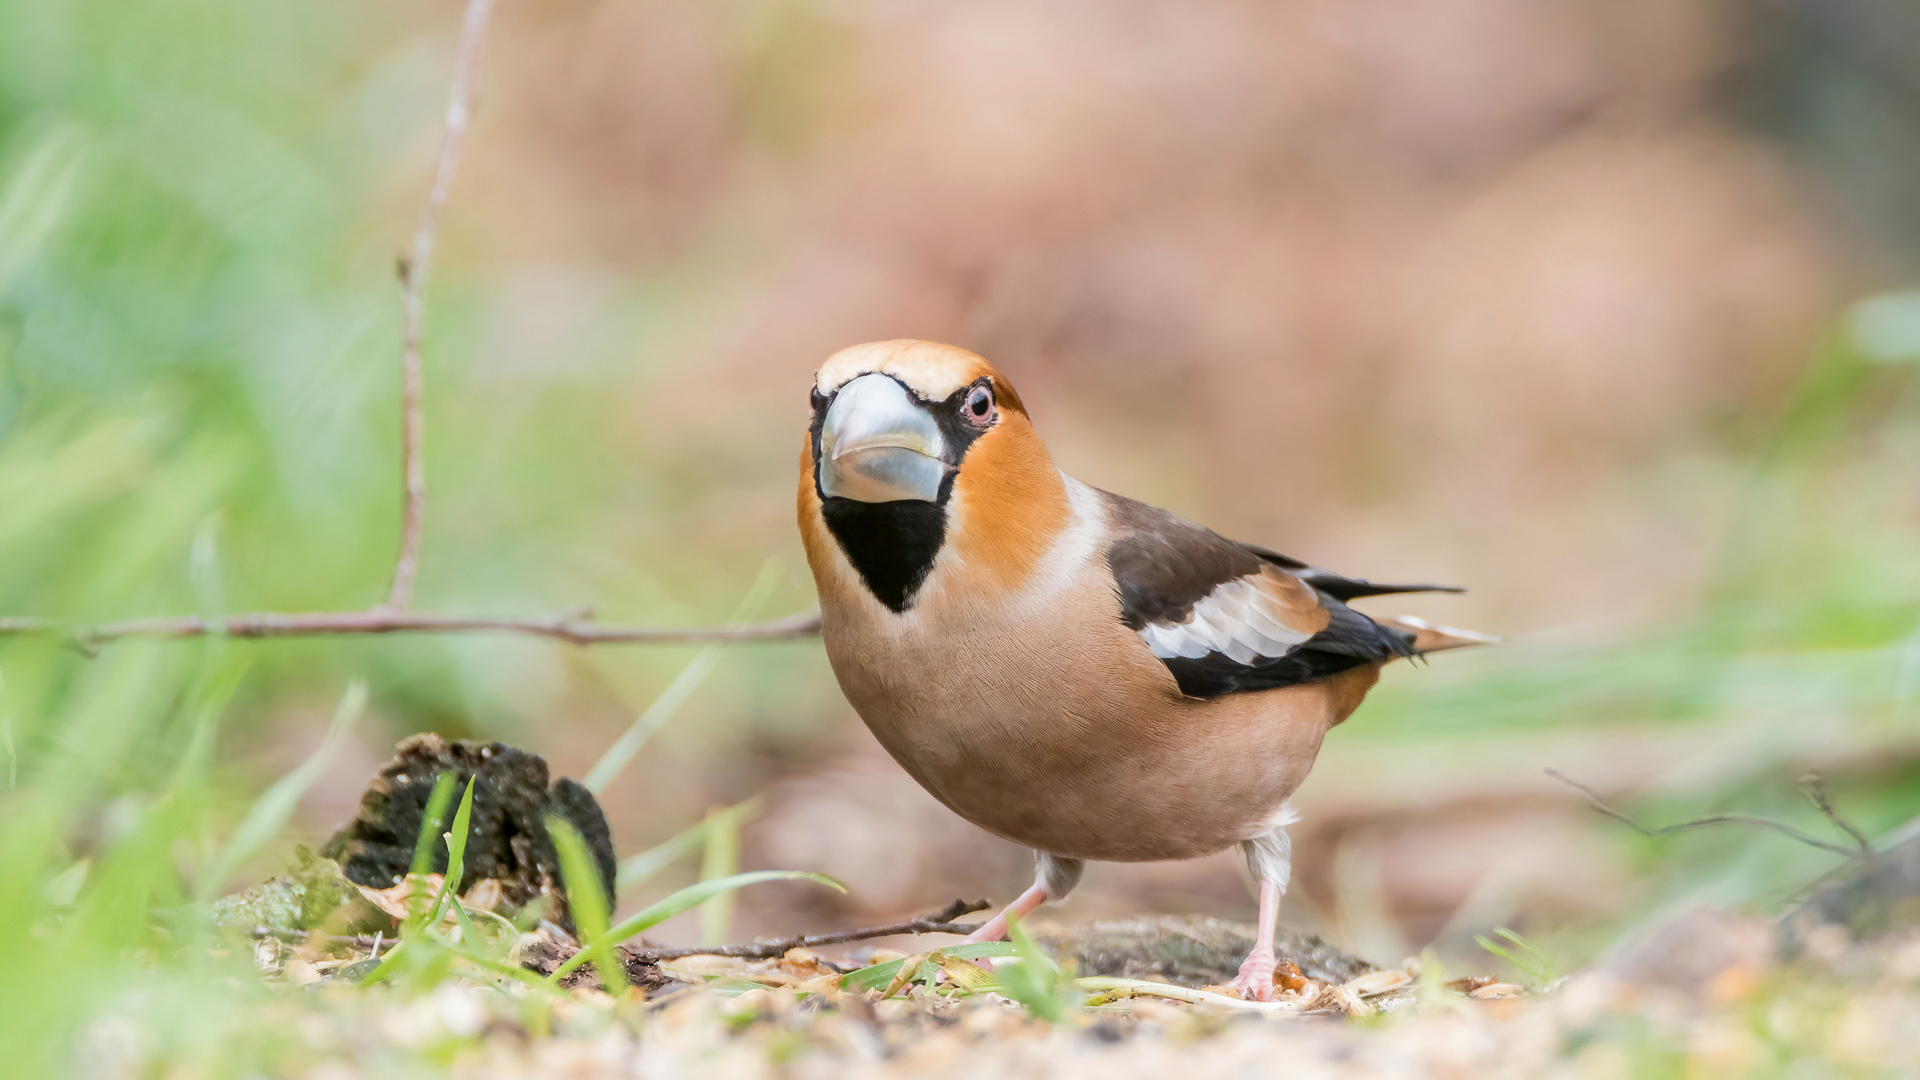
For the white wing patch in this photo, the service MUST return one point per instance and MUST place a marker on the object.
(1259, 615)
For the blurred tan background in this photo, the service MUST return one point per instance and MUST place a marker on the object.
(1489, 292)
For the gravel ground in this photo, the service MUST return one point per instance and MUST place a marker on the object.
(1704, 996)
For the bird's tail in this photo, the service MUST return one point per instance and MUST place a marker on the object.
(1425, 637)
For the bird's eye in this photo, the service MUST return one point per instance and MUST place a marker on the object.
(979, 406)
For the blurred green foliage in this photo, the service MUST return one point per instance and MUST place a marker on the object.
(1804, 653)
(199, 209)
(199, 201)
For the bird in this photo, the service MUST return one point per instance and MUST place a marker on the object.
(1072, 670)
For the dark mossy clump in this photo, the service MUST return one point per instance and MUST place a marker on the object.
(507, 841)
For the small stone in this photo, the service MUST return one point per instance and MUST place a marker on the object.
(703, 965)
(1378, 982)
(1497, 990)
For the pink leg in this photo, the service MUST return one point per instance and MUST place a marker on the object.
(1255, 981)
(996, 928)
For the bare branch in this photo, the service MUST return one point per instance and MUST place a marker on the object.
(393, 617)
(939, 922)
(1717, 819)
(571, 628)
(1814, 787)
(413, 287)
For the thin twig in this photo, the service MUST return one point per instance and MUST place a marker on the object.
(413, 287)
(1814, 787)
(358, 941)
(1717, 819)
(939, 922)
(570, 628)
(393, 617)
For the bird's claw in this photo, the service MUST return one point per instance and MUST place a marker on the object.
(1255, 981)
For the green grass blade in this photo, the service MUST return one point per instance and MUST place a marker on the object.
(639, 868)
(678, 691)
(587, 900)
(433, 822)
(6, 738)
(615, 760)
(387, 966)
(457, 836)
(721, 860)
(456, 855)
(203, 573)
(877, 976)
(1034, 980)
(1524, 956)
(487, 963)
(469, 933)
(274, 806)
(209, 705)
(65, 886)
(36, 199)
(688, 898)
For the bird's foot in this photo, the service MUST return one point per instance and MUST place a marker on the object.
(1255, 981)
(995, 929)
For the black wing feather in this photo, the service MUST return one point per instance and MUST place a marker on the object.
(1164, 565)
(1350, 639)
(1338, 586)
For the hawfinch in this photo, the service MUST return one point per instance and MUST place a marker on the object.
(1066, 668)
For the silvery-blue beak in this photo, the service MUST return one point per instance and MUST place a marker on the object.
(877, 445)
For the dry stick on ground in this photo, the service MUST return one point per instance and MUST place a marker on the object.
(938, 922)
(392, 616)
(1782, 828)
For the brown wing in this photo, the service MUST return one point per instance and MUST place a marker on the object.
(1227, 618)
(1267, 613)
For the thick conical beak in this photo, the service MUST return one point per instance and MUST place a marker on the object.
(877, 445)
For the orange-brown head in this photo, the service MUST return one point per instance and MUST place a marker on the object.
(918, 449)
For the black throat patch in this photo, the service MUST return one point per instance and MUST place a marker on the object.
(893, 544)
